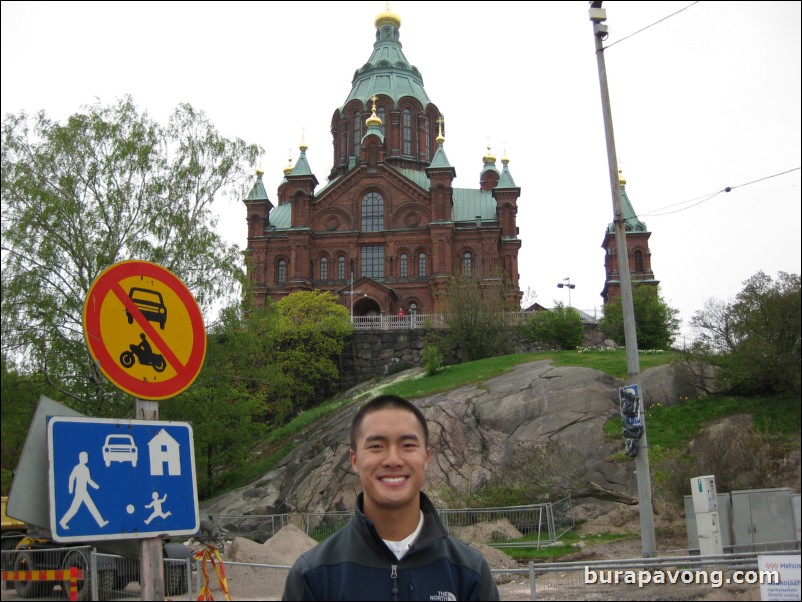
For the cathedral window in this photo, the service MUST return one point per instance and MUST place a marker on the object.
(422, 265)
(324, 268)
(380, 113)
(467, 264)
(341, 268)
(282, 272)
(404, 268)
(639, 262)
(357, 133)
(428, 142)
(407, 132)
(372, 212)
(373, 262)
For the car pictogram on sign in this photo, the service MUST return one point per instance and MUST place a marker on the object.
(150, 303)
(120, 448)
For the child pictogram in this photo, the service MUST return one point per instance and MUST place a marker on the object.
(156, 504)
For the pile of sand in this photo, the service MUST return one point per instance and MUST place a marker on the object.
(261, 583)
(281, 549)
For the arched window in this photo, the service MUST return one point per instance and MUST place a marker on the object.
(341, 268)
(407, 132)
(413, 309)
(428, 141)
(372, 212)
(404, 268)
(467, 264)
(422, 265)
(357, 133)
(282, 272)
(324, 268)
(380, 113)
(639, 262)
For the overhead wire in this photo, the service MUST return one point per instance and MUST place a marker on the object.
(652, 25)
(707, 197)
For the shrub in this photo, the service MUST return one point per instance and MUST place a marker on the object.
(397, 367)
(560, 328)
(739, 457)
(432, 360)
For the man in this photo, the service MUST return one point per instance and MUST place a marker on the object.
(395, 547)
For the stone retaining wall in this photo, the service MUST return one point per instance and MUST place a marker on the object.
(369, 354)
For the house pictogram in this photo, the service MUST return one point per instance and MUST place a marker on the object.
(164, 449)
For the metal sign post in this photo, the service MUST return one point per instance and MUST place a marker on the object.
(146, 333)
(151, 556)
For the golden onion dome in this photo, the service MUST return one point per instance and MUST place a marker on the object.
(373, 119)
(387, 16)
(621, 179)
(489, 157)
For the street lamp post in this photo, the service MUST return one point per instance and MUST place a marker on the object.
(351, 293)
(567, 285)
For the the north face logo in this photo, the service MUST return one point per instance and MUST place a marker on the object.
(444, 596)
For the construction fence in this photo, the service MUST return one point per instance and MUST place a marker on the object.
(533, 525)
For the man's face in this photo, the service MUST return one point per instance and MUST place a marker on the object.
(391, 459)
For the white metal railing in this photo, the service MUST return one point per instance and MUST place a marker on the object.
(390, 322)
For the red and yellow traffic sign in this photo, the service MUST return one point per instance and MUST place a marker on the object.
(144, 329)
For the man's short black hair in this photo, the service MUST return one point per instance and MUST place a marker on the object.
(387, 402)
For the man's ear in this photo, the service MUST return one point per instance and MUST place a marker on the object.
(352, 457)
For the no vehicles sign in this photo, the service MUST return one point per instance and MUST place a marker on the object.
(144, 330)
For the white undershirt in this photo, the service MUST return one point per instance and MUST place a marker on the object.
(400, 548)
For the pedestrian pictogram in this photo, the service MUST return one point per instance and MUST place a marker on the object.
(118, 479)
(144, 329)
(79, 479)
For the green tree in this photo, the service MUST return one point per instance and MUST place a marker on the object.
(108, 185)
(312, 330)
(656, 324)
(755, 340)
(476, 317)
(236, 397)
(561, 327)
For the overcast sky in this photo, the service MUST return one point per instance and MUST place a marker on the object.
(706, 99)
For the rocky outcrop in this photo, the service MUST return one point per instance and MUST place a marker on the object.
(473, 430)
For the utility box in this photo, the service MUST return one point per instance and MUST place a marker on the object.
(703, 492)
(763, 520)
(707, 524)
(705, 506)
(724, 521)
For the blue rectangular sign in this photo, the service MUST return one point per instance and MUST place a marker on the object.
(120, 479)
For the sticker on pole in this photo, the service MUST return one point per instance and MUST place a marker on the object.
(144, 329)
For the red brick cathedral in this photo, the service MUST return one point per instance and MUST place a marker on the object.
(388, 229)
